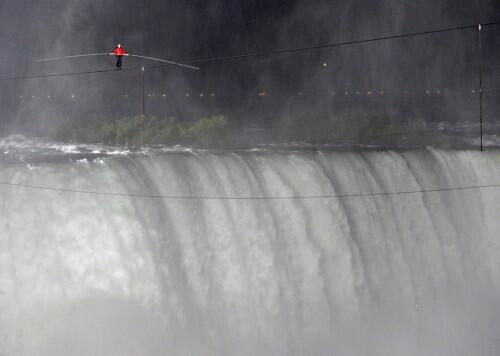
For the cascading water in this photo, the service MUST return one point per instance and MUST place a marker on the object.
(88, 274)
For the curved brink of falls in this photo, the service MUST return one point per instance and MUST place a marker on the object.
(411, 274)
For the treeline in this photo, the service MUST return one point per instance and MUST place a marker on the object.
(347, 128)
(143, 130)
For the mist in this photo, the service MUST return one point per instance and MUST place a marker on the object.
(339, 200)
(432, 78)
(123, 274)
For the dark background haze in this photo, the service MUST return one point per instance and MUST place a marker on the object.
(431, 77)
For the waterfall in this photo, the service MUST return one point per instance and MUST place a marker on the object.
(127, 274)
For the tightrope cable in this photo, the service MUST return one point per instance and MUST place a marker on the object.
(339, 44)
(293, 197)
(67, 74)
(266, 53)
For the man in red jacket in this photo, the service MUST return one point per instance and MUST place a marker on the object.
(119, 52)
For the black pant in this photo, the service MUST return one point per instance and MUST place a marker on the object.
(118, 62)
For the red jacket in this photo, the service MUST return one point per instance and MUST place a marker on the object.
(119, 51)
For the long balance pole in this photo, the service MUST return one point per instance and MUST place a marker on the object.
(110, 54)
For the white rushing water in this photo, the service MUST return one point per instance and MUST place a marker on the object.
(85, 274)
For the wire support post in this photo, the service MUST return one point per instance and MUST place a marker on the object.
(481, 64)
(143, 91)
